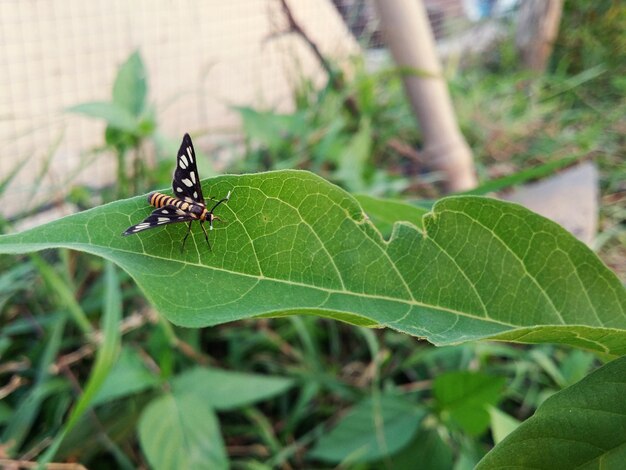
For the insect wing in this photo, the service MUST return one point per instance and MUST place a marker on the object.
(186, 183)
(161, 216)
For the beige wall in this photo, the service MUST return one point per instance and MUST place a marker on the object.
(201, 56)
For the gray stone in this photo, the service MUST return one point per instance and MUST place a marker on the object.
(569, 198)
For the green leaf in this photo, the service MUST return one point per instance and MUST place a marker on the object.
(426, 446)
(113, 114)
(291, 243)
(268, 128)
(371, 430)
(352, 160)
(582, 426)
(226, 390)
(502, 424)
(128, 376)
(179, 431)
(464, 397)
(130, 87)
(576, 365)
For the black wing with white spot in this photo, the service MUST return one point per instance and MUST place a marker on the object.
(162, 216)
(186, 182)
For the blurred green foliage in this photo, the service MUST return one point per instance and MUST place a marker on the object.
(592, 34)
(346, 135)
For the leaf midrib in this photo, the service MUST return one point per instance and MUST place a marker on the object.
(411, 302)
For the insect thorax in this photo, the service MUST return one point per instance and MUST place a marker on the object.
(196, 209)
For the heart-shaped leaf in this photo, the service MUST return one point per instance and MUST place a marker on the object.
(464, 397)
(227, 390)
(130, 87)
(373, 429)
(181, 431)
(292, 243)
(115, 115)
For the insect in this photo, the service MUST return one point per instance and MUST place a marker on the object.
(187, 205)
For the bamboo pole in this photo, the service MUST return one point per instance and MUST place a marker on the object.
(537, 29)
(410, 39)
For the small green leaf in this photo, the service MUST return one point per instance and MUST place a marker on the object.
(179, 431)
(583, 426)
(128, 376)
(464, 397)
(226, 390)
(291, 243)
(426, 446)
(130, 87)
(373, 429)
(268, 128)
(351, 167)
(576, 365)
(113, 114)
(502, 424)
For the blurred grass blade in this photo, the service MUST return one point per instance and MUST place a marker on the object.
(59, 289)
(44, 171)
(13, 280)
(569, 83)
(44, 386)
(4, 183)
(105, 358)
(523, 176)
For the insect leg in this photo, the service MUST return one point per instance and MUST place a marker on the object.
(219, 202)
(212, 219)
(186, 235)
(206, 235)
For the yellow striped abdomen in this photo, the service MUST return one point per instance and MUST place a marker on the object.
(160, 200)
